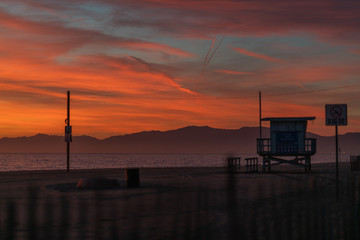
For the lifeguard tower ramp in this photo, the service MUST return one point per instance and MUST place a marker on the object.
(287, 143)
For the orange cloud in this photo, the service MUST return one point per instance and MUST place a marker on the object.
(231, 72)
(317, 73)
(106, 84)
(149, 46)
(356, 51)
(138, 70)
(257, 55)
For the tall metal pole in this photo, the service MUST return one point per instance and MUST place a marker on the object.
(337, 161)
(337, 151)
(68, 125)
(260, 115)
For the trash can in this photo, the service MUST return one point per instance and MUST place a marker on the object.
(355, 163)
(132, 176)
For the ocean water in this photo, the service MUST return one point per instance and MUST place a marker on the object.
(24, 162)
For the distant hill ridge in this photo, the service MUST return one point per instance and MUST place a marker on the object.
(191, 139)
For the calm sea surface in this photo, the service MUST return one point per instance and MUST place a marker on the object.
(20, 162)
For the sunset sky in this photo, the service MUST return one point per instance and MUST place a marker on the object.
(159, 64)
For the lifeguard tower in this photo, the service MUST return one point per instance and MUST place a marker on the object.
(287, 143)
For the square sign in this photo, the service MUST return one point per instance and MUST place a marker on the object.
(336, 114)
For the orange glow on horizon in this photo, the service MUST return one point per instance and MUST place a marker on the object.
(171, 64)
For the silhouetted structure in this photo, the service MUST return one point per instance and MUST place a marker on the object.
(233, 163)
(132, 176)
(252, 165)
(287, 139)
(355, 163)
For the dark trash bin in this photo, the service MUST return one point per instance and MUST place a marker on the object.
(132, 176)
(355, 163)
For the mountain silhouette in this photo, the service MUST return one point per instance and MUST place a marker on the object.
(192, 139)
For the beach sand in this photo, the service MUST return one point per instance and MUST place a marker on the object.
(182, 203)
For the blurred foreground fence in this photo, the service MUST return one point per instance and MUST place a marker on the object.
(315, 212)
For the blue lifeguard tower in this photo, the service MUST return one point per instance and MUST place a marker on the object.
(287, 143)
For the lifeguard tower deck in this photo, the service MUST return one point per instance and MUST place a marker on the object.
(287, 143)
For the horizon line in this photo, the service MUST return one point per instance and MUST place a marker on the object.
(146, 131)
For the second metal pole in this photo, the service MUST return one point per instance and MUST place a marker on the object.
(260, 115)
(337, 152)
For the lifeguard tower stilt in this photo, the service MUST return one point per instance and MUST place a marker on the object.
(287, 143)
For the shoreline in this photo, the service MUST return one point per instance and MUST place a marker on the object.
(284, 167)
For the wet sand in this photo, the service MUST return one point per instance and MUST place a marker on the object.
(182, 203)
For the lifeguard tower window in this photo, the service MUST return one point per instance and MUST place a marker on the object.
(287, 138)
(287, 142)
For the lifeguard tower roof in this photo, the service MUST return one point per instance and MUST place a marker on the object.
(288, 119)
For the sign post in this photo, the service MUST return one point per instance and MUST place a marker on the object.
(336, 115)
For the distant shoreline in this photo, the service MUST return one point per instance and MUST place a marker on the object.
(317, 168)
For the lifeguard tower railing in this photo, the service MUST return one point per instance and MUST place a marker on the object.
(264, 148)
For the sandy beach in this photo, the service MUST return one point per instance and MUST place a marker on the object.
(182, 203)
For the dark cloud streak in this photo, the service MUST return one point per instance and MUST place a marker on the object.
(329, 20)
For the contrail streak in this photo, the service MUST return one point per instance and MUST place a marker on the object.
(216, 48)
(210, 54)
(207, 56)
